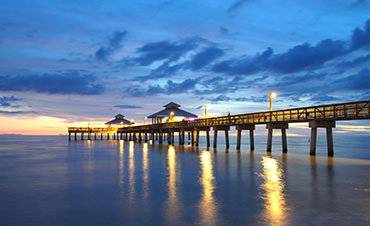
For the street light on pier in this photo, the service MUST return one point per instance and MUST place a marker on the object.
(145, 118)
(272, 95)
(205, 111)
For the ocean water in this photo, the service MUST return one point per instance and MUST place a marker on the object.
(47, 180)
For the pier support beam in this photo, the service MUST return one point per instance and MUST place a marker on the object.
(75, 136)
(146, 137)
(140, 136)
(328, 125)
(169, 137)
(224, 128)
(198, 130)
(160, 138)
(82, 136)
(240, 128)
(271, 126)
(69, 136)
(207, 133)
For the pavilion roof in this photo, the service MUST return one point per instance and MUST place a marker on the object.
(176, 112)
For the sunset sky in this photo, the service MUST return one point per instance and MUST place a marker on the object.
(69, 63)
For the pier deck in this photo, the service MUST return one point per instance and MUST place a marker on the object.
(322, 116)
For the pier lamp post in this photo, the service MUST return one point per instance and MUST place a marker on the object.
(145, 119)
(272, 95)
(131, 121)
(205, 111)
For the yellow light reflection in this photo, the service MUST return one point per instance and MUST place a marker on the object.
(173, 209)
(145, 171)
(208, 206)
(131, 166)
(121, 161)
(275, 204)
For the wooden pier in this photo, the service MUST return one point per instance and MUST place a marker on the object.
(323, 116)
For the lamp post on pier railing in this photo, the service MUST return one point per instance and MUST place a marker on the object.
(272, 95)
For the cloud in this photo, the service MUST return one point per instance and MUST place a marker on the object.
(165, 70)
(299, 58)
(236, 5)
(353, 63)
(66, 82)
(225, 98)
(164, 50)
(8, 101)
(205, 57)
(17, 112)
(244, 65)
(219, 98)
(355, 82)
(224, 31)
(360, 37)
(324, 98)
(114, 43)
(358, 3)
(170, 88)
(123, 106)
(305, 56)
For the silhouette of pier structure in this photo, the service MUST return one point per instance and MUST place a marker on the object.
(323, 116)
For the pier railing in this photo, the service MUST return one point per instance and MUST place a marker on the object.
(343, 111)
(91, 129)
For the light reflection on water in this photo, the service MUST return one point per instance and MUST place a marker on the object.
(131, 166)
(273, 186)
(117, 182)
(145, 171)
(121, 163)
(208, 206)
(173, 206)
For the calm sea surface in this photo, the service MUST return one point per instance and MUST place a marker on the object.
(47, 180)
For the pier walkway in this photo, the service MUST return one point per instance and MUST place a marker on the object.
(323, 116)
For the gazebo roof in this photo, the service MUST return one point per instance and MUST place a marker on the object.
(119, 121)
(172, 107)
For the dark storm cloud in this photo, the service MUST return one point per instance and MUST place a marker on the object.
(170, 88)
(8, 101)
(66, 82)
(124, 106)
(164, 50)
(114, 43)
(361, 37)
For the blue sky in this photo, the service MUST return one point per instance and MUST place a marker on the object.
(88, 60)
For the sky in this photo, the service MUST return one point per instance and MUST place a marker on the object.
(73, 63)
